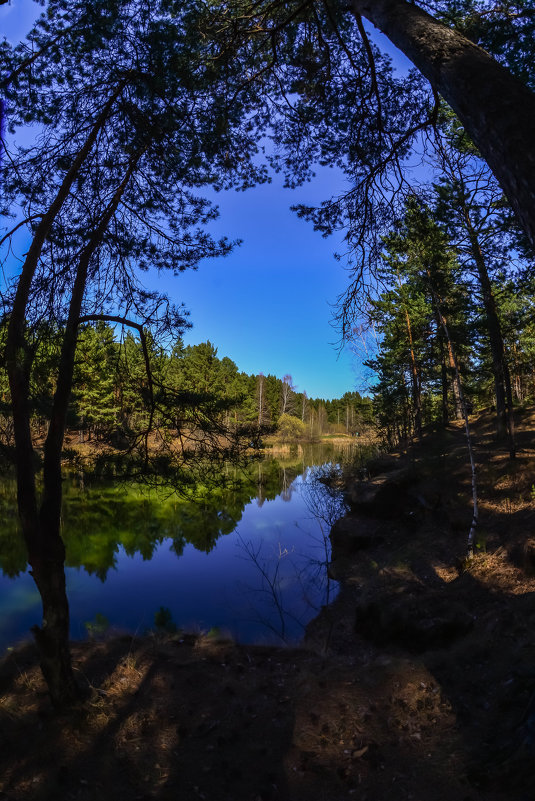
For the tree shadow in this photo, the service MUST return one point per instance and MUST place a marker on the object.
(219, 721)
(198, 720)
(476, 642)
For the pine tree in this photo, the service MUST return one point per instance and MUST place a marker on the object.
(95, 378)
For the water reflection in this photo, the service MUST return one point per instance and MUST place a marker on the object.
(291, 577)
(122, 545)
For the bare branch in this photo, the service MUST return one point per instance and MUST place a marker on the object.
(19, 225)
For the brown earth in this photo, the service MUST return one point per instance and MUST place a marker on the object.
(417, 683)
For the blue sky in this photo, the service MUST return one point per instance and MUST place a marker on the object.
(268, 306)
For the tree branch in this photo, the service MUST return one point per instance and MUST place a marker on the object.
(19, 225)
(29, 61)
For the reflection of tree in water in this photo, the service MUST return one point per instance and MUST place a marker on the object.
(100, 517)
(326, 505)
(275, 478)
(287, 484)
(98, 522)
(280, 569)
(324, 502)
(269, 593)
(13, 554)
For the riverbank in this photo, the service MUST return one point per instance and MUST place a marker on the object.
(451, 640)
(88, 451)
(417, 683)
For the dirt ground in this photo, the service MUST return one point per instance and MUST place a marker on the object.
(417, 683)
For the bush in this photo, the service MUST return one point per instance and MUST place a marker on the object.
(290, 428)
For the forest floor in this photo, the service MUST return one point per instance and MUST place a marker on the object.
(418, 682)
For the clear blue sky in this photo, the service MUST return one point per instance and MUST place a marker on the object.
(268, 306)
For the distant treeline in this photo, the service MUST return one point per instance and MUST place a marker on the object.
(113, 390)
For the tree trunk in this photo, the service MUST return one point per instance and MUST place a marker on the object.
(496, 109)
(415, 377)
(496, 346)
(41, 529)
(457, 400)
(52, 483)
(52, 638)
(444, 384)
(260, 399)
(475, 512)
(45, 555)
(500, 370)
(47, 567)
(510, 416)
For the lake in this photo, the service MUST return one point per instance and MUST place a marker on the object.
(248, 559)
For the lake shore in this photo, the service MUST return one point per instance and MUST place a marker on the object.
(417, 682)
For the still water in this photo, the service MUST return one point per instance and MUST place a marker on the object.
(250, 560)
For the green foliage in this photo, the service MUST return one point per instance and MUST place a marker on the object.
(98, 626)
(94, 395)
(290, 428)
(103, 519)
(415, 381)
(193, 385)
(508, 31)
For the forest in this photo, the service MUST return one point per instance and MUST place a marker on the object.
(453, 319)
(111, 402)
(119, 123)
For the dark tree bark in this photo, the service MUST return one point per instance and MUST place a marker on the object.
(415, 381)
(496, 109)
(52, 484)
(457, 402)
(457, 382)
(500, 370)
(17, 355)
(48, 567)
(52, 638)
(444, 383)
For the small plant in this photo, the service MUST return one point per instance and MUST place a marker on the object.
(163, 620)
(98, 626)
(481, 542)
(217, 634)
